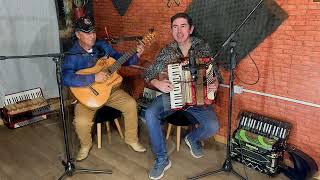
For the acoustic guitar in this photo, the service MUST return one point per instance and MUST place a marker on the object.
(97, 94)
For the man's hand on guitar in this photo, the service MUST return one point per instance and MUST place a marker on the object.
(101, 77)
(164, 85)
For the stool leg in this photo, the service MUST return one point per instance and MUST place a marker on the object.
(168, 131)
(108, 132)
(178, 137)
(116, 121)
(99, 135)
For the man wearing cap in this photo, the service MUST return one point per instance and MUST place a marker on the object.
(85, 53)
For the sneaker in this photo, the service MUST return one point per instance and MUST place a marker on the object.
(195, 148)
(159, 168)
(83, 153)
(137, 147)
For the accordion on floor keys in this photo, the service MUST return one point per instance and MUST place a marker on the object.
(24, 108)
(259, 142)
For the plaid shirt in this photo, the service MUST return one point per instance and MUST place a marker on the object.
(172, 54)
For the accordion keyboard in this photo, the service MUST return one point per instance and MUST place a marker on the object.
(21, 96)
(264, 126)
(175, 76)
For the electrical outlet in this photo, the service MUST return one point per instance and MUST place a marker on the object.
(238, 89)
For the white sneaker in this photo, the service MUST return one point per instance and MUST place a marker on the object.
(83, 153)
(137, 147)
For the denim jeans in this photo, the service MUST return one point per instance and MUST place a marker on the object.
(160, 108)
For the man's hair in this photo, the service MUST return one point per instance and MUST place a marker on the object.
(182, 15)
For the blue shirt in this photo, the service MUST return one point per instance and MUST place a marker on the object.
(73, 63)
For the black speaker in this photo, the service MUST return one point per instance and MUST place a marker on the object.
(215, 20)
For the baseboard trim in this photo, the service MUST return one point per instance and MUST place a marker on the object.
(220, 139)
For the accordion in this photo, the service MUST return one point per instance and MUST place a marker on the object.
(24, 108)
(145, 101)
(259, 142)
(190, 92)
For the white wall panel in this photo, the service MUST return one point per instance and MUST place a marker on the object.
(28, 27)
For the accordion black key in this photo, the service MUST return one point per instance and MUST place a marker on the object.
(259, 142)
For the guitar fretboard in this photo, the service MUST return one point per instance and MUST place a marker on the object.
(120, 61)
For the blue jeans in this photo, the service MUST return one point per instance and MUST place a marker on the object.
(160, 108)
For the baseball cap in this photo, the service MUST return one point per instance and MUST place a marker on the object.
(84, 24)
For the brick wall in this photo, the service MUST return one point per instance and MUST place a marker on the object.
(288, 61)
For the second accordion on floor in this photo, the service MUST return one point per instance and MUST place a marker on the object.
(259, 142)
(188, 91)
(24, 108)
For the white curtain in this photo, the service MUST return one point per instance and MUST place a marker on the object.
(28, 27)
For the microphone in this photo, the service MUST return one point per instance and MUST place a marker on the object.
(192, 65)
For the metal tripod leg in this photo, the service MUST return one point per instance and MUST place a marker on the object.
(70, 170)
(216, 172)
(206, 174)
(227, 167)
(237, 174)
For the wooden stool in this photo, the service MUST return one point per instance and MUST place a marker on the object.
(179, 118)
(107, 114)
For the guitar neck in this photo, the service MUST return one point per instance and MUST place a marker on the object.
(130, 38)
(117, 65)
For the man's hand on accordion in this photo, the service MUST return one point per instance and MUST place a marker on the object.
(163, 85)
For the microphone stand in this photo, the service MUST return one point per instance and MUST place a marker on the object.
(227, 165)
(68, 164)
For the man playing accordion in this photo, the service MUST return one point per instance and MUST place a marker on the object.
(181, 28)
